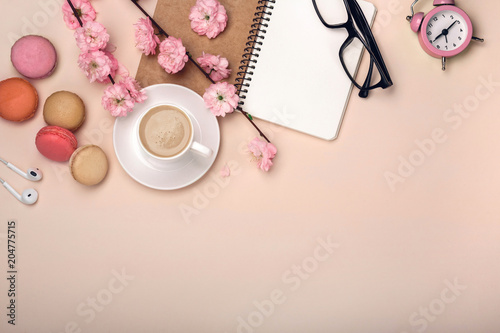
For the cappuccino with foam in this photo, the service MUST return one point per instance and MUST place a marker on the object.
(165, 131)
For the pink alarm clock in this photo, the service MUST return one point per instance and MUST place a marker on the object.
(445, 31)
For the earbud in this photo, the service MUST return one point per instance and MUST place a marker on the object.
(33, 174)
(28, 197)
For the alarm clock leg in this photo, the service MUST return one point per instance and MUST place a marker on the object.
(443, 62)
(477, 39)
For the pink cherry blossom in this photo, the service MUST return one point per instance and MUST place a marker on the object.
(91, 37)
(221, 98)
(263, 152)
(145, 38)
(225, 171)
(110, 48)
(208, 17)
(215, 66)
(117, 100)
(84, 10)
(172, 55)
(96, 65)
(134, 89)
(114, 66)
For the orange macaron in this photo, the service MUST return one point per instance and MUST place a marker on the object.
(18, 99)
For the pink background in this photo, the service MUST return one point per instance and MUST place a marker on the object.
(252, 256)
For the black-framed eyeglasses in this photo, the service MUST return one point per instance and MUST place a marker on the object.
(359, 33)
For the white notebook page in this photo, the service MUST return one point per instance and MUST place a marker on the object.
(299, 81)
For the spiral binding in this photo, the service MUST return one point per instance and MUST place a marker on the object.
(253, 47)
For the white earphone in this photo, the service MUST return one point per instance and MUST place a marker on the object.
(28, 197)
(33, 174)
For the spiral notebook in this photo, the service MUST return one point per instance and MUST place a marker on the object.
(292, 75)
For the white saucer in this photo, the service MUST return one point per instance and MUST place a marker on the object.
(167, 175)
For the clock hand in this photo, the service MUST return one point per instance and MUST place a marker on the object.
(446, 38)
(452, 25)
(445, 32)
(441, 34)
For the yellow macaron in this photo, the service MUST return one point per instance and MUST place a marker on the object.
(64, 109)
(88, 165)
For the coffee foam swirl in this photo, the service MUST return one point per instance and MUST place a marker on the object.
(165, 131)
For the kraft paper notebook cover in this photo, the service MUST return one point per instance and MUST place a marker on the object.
(298, 71)
(173, 15)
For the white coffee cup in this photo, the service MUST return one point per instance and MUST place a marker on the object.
(165, 132)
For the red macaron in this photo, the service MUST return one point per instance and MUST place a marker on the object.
(56, 143)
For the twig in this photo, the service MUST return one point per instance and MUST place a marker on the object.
(75, 12)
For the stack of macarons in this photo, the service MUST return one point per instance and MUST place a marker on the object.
(34, 57)
(64, 113)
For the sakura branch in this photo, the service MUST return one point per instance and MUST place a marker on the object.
(220, 97)
(97, 61)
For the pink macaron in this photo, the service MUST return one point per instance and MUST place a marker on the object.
(34, 56)
(56, 143)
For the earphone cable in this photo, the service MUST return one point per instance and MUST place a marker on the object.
(4, 161)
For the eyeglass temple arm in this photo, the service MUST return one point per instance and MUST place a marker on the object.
(371, 46)
(363, 92)
(364, 26)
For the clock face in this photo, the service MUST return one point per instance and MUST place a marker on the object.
(447, 30)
